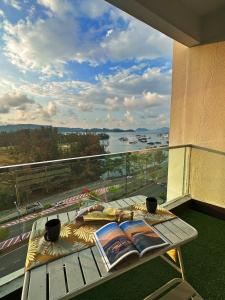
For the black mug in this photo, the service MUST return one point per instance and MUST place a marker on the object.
(52, 228)
(151, 204)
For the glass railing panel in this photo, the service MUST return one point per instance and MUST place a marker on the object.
(147, 173)
(114, 177)
(207, 175)
(8, 208)
(178, 172)
(32, 191)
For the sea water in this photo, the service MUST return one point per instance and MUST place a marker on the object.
(115, 145)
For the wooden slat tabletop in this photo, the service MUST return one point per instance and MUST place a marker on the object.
(73, 274)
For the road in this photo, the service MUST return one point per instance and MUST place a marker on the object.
(13, 260)
(151, 189)
(19, 228)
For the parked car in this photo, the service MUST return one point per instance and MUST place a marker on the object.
(59, 203)
(37, 206)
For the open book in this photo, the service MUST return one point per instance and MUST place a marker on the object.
(116, 242)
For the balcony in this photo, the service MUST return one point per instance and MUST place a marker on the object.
(174, 175)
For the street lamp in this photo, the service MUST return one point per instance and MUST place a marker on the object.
(104, 185)
(18, 211)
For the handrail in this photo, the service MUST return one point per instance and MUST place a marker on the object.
(50, 162)
(208, 149)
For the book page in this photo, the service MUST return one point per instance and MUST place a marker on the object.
(142, 235)
(113, 244)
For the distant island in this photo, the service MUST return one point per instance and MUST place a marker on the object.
(16, 127)
(159, 130)
(141, 129)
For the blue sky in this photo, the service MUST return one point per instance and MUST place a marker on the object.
(81, 63)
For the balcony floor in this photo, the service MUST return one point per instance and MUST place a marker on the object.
(204, 260)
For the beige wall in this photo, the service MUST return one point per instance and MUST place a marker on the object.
(198, 116)
(198, 96)
(207, 176)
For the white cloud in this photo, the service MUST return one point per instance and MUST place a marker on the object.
(45, 113)
(147, 99)
(31, 11)
(51, 109)
(153, 99)
(21, 108)
(59, 7)
(82, 106)
(4, 110)
(130, 102)
(109, 32)
(43, 46)
(2, 13)
(14, 100)
(129, 117)
(112, 103)
(137, 41)
(48, 45)
(36, 113)
(112, 92)
(94, 8)
(145, 95)
(14, 3)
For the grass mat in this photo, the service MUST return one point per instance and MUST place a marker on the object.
(204, 260)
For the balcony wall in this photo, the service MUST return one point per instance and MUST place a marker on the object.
(197, 117)
(207, 176)
(198, 96)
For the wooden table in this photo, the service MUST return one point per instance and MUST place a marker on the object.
(71, 275)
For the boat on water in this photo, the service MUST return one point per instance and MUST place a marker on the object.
(151, 143)
(142, 139)
(132, 142)
(123, 139)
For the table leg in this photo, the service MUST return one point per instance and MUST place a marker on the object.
(181, 263)
(179, 268)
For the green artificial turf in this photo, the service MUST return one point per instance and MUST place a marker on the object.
(204, 260)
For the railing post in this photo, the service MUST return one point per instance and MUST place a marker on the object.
(16, 189)
(126, 172)
(145, 169)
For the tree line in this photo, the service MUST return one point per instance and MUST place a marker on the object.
(45, 143)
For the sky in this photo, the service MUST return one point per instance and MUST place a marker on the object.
(81, 63)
